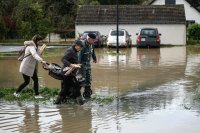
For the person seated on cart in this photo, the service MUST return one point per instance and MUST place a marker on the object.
(69, 85)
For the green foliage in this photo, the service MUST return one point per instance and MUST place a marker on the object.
(3, 29)
(44, 27)
(49, 94)
(27, 94)
(194, 32)
(193, 42)
(25, 29)
(6, 21)
(7, 6)
(103, 99)
(31, 19)
(61, 13)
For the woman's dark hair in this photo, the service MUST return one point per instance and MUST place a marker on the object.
(37, 38)
(78, 43)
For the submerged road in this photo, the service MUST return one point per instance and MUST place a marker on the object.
(10, 48)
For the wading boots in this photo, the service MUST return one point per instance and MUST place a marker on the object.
(88, 92)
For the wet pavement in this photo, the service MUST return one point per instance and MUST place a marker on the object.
(155, 89)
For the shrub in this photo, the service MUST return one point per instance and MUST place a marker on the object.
(194, 32)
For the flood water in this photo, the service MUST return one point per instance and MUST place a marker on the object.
(155, 89)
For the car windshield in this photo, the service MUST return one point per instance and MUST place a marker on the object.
(120, 33)
(149, 32)
(86, 33)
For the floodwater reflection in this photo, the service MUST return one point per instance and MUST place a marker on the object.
(153, 89)
(137, 68)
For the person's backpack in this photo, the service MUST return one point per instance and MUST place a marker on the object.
(22, 55)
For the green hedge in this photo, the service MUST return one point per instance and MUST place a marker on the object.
(194, 32)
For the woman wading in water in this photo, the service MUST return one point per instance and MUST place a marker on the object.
(29, 65)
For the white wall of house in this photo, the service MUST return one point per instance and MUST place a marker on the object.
(53, 37)
(190, 12)
(173, 34)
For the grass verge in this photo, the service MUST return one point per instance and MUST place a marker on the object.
(27, 94)
(49, 94)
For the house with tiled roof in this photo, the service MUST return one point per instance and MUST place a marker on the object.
(169, 19)
(191, 12)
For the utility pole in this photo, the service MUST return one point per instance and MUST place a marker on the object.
(117, 3)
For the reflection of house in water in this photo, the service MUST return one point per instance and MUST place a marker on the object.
(64, 119)
(161, 65)
(192, 70)
(75, 119)
(108, 57)
(141, 68)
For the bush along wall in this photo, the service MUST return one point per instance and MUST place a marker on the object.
(194, 32)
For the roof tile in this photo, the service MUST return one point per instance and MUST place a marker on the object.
(131, 14)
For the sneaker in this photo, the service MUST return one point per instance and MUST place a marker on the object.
(38, 97)
(16, 94)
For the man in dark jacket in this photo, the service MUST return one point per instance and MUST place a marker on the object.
(87, 53)
(70, 83)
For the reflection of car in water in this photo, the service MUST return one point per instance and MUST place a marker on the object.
(74, 119)
(148, 57)
(148, 37)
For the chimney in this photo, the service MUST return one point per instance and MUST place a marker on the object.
(170, 2)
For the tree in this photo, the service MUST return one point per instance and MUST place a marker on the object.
(7, 21)
(3, 29)
(43, 16)
(62, 13)
(30, 18)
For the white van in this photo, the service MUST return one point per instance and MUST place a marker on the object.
(124, 38)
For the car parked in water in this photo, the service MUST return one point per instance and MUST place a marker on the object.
(98, 42)
(124, 38)
(148, 37)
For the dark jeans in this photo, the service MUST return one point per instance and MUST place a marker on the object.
(27, 81)
(70, 87)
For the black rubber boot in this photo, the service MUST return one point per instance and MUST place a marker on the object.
(88, 92)
(80, 100)
(58, 100)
